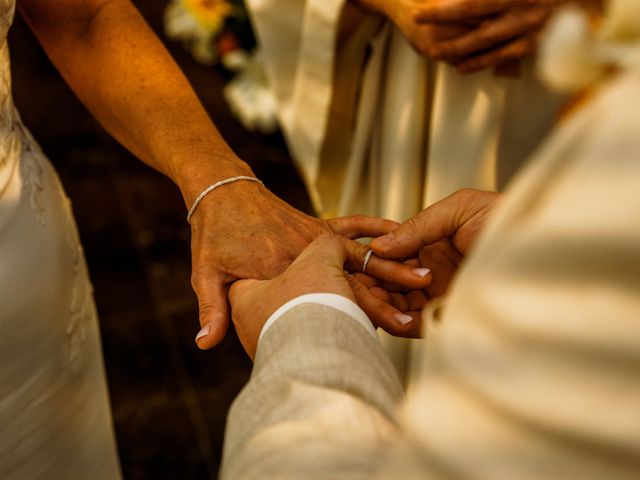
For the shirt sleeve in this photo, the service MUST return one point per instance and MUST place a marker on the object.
(338, 302)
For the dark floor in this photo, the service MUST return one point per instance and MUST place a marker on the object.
(169, 399)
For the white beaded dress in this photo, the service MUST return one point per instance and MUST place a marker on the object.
(55, 420)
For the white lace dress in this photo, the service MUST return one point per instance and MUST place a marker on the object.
(55, 421)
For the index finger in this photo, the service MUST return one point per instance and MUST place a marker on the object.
(358, 226)
(340, 252)
(384, 269)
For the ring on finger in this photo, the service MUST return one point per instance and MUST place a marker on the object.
(367, 257)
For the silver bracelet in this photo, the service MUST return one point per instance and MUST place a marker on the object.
(211, 188)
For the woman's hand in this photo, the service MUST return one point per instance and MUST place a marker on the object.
(320, 268)
(244, 231)
(441, 235)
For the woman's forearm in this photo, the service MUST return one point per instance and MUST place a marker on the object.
(124, 75)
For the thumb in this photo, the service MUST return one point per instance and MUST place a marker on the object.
(404, 241)
(433, 224)
(214, 311)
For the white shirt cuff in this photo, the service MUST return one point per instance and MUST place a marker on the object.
(328, 299)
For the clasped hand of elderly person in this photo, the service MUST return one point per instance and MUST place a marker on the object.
(394, 291)
(470, 35)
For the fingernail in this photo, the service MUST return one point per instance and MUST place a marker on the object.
(203, 332)
(421, 272)
(402, 319)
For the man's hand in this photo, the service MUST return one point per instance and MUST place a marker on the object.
(506, 30)
(321, 269)
(440, 235)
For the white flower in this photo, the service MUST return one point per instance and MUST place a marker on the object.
(250, 98)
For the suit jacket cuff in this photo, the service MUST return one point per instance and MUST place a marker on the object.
(337, 302)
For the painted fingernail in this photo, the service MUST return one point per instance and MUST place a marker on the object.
(421, 272)
(203, 333)
(402, 319)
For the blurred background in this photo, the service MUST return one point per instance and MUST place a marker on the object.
(169, 399)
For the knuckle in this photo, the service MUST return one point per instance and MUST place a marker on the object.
(326, 226)
(205, 311)
(355, 285)
(360, 250)
(383, 249)
(199, 276)
(464, 195)
(413, 223)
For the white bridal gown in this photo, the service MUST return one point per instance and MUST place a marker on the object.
(55, 421)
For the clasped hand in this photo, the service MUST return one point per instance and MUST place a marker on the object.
(470, 35)
(414, 263)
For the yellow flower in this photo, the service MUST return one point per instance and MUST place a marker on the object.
(211, 14)
(197, 23)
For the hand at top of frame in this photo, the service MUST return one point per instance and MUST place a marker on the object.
(504, 30)
(440, 235)
(424, 37)
(321, 269)
(243, 231)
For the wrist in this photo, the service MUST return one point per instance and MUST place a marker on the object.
(231, 197)
(195, 175)
(219, 184)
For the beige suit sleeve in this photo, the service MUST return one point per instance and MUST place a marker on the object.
(534, 371)
(320, 402)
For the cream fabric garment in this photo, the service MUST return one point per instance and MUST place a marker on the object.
(55, 421)
(533, 369)
(376, 129)
(535, 365)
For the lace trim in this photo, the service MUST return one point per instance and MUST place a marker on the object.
(81, 309)
(18, 144)
(81, 305)
(31, 172)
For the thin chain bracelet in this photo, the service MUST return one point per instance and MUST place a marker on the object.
(211, 188)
